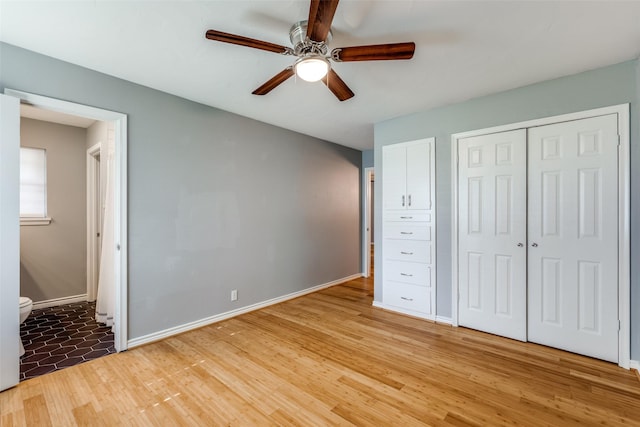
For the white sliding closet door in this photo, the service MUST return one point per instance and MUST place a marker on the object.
(573, 236)
(492, 233)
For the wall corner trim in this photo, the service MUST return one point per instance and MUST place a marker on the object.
(157, 336)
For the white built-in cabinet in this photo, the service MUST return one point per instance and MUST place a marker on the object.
(408, 228)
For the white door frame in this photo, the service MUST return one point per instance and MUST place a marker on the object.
(94, 226)
(120, 196)
(366, 219)
(9, 241)
(624, 213)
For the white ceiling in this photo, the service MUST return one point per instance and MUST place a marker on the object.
(464, 49)
(54, 117)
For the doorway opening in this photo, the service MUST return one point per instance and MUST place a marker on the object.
(96, 210)
(368, 222)
(94, 218)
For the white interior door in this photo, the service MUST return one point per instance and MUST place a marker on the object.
(573, 236)
(9, 240)
(492, 233)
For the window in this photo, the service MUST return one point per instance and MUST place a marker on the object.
(33, 187)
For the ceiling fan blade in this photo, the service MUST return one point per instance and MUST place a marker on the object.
(376, 52)
(274, 81)
(337, 86)
(320, 17)
(246, 41)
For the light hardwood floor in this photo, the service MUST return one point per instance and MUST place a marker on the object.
(329, 358)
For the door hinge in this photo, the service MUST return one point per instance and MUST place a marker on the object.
(619, 324)
(619, 139)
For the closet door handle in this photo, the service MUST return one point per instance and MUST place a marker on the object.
(409, 199)
(535, 245)
(402, 201)
(520, 245)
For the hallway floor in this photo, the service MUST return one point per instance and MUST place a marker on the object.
(58, 337)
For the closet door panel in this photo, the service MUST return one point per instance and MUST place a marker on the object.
(573, 237)
(492, 233)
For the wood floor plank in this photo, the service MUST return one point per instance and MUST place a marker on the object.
(36, 411)
(330, 358)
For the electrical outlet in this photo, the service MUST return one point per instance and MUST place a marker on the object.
(234, 295)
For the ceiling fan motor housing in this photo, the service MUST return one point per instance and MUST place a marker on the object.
(303, 46)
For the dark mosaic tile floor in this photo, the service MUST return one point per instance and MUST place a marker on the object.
(58, 337)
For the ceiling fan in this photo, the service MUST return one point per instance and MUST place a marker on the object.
(310, 39)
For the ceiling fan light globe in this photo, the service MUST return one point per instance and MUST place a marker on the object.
(312, 69)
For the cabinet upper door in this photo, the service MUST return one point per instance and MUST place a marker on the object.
(419, 164)
(394, 177)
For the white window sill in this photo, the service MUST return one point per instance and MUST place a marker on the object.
(35, 221)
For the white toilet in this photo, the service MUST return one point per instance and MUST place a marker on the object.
(26, 305)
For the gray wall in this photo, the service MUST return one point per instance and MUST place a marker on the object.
(367, 159)
(635, 225)
(216, 201)
(53, 257)
(616, 84)
(97, 132)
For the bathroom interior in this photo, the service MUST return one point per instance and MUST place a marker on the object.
(66, 279)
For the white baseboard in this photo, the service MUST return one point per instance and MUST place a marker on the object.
(442, 319)
(155, 336)
(403, 311)
(438, 319)
(634, 364)
(60, 301)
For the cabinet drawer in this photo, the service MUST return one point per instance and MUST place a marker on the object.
(409, 231)
(408, 297)
(407, 250)
(407, 217)
(407, 272)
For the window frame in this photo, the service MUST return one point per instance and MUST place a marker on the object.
(37, 219)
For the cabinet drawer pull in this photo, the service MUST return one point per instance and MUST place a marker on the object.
(406, 275)
(406, 299)
(406, 217)
(406, 253)
(406, 232)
